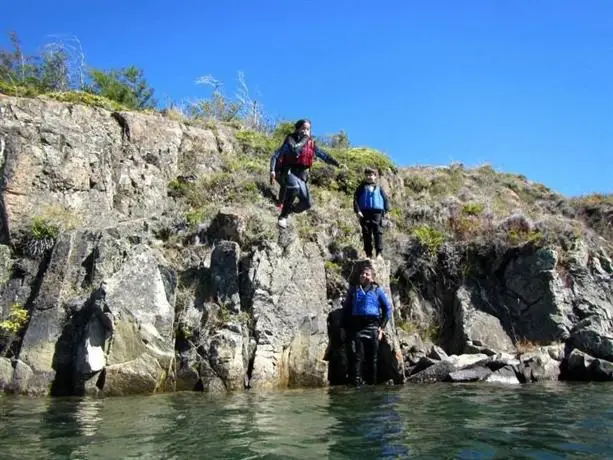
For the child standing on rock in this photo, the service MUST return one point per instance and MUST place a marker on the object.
(370, 204)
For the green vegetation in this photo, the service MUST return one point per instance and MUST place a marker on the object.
(53, 72)
(519, 236)
(332, 267)
(85, 98)
(127, 87)
(17, 319)
(430, 332)
(429, 238)
(42, 229)
(472, 209)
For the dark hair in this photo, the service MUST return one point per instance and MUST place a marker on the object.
(370, 171)
(300, 123)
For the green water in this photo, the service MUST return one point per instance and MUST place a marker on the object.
(425, 421)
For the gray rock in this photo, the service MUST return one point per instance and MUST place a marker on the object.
(505, 375)
(594, 335)
(470, 374)
(224, 273)
(481, 329)
(437, 372)
(538, 366)
(6, 373)
(227, 359)
(577, 365)
(437, 353)
(286, 289)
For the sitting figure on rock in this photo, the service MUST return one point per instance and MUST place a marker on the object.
(370, 204)
(366, 311)
(290, 167)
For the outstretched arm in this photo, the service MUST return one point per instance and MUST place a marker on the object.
(326, 157)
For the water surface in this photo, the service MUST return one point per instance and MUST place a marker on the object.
(541, 421)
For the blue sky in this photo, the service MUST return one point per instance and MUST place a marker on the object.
(525, 86)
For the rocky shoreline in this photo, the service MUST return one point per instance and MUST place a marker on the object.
(127, 296)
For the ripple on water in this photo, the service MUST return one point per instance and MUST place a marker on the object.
(421, 421)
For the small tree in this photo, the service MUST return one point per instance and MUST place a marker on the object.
(126, 86)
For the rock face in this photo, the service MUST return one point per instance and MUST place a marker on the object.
(521, 300)
(288, 289)
(133, 290)
(94, 165)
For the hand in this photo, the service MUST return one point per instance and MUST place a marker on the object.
(272, 178)
(380, 336)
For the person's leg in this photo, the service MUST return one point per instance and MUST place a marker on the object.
(358, 359)
(377, 231)
(304, 198)
(366, 237)
(291, 191)
(281, 198)
(371, 346)
(288, 201)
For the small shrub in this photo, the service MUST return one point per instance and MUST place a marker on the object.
(408, 326)
(472, 209)
(429, 238)
(332, 267)
(85, 98)
(417, 183)
(19, 90)
(178, 188)
(465, 226)
(520, 237)
(432, 333)
(40, 238)
(16, 321)
(398, 216)
(42, 228)
(196, 217)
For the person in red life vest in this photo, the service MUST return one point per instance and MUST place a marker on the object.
(370, 204)
(296, 156)
(366, 311)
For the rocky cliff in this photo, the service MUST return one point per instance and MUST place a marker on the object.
(140, 253)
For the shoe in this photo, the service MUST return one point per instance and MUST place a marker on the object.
(282, 222)
(379, 257)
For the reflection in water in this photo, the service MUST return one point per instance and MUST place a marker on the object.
(425, 421)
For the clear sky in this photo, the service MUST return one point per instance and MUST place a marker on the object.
(526, 86)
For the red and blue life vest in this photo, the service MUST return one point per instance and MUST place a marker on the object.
(306, 157)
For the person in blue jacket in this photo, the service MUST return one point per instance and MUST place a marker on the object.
(370, 204)
(290, 166)
(366, 311)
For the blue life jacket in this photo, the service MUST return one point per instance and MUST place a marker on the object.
(371, 200)
(366, 303)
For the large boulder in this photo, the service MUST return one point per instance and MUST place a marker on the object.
(286, 287)
(75, 333)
